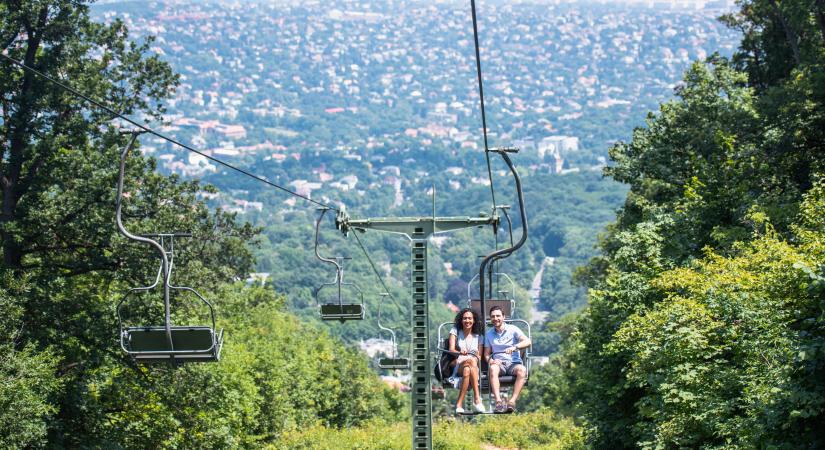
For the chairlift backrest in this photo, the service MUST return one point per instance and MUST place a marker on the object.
(505, 299)
(507, 306)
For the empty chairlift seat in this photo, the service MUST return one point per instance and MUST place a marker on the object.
(343, 311)
(189, 343)
(394, 363)
(166, 342)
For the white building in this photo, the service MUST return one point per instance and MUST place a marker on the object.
(553, 145)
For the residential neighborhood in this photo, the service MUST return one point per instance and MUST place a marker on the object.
(267, 84)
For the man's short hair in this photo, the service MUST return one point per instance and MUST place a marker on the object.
(496, 308)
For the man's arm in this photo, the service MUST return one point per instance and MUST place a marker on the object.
(488, 355)
(523, 342)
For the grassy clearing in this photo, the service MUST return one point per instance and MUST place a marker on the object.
(539, 430)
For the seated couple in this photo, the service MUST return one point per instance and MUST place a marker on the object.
(501, 351)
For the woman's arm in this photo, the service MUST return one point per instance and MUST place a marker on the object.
(452, 343)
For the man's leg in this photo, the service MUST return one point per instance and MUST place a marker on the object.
(494, 370)
(521, 377)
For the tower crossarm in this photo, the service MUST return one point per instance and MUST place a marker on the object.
(416, 227)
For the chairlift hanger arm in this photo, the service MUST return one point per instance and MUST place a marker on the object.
(332, 261)
(520, 193)
(507, 251)
(491, 265)
(165, 266)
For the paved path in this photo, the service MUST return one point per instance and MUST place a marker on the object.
(538, 316)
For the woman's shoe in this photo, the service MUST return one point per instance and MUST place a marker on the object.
(459, 410)
(479, 407)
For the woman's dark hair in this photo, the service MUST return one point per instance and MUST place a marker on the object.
(476, 321)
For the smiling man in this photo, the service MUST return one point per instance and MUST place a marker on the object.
(501, 350)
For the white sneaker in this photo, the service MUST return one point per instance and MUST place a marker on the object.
(479, 407)
(459, 410)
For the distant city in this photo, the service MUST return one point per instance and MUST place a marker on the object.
(266, 84)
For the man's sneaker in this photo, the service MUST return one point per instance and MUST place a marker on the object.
(510, 408)
(501, 407)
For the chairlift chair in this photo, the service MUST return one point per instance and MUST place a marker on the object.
(339, 310)
(484, 302)
(394, 362)
(506, 382)
(166, 342)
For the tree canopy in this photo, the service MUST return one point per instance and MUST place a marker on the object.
(705, 322)
(64, 267)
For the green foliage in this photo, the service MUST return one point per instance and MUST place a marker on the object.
(29, 381)
(275, 375)
(704, 327)
(542, 429)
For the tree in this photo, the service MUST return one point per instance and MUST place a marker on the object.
(58, 167)
(696, 306)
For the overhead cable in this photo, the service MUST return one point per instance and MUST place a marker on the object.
(481, 97)
(378, 275)
(160, 135)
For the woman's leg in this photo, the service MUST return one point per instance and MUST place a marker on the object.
(465, 372)
(474, 380)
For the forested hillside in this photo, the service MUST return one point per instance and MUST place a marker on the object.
(704, 325)
(64, 381)
(705, 319)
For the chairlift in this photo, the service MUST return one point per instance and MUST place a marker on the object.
(505, 299)
(486, 267)
(339, 310)
(394, 362)
(506, 382)
(167, 342)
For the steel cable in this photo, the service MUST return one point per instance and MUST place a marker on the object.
(160, 135)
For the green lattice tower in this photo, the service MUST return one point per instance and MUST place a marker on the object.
(418, 230)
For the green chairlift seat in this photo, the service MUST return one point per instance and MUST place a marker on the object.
(189, 344)
(394, 363)
(345, 311)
